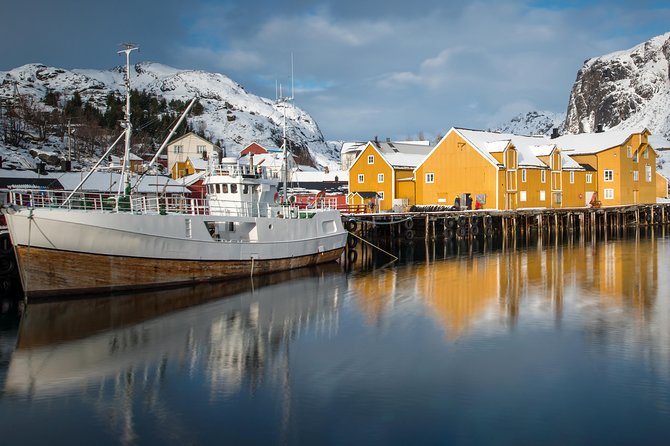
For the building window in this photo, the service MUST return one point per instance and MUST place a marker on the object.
(523, 177)
(178, 149)
(380, 178)
(201, 149)
(589, 178)
(636, 175)
(572, 178)
(648, 173)
(629, 151)
(543, 176)
(430, 178)
(371, 159)
(609, 194)
(522, 195)
(381, 195)
(361, 178)
(542, 195)
(646, 154)
(609, 175)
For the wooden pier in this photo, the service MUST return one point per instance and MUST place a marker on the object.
(430, 223)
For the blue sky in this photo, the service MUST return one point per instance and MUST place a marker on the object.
(362, 68)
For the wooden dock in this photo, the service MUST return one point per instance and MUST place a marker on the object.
(431, 222)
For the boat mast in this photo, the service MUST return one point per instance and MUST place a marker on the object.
(285, 102)
(125, 177)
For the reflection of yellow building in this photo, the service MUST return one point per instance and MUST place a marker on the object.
(505, 287)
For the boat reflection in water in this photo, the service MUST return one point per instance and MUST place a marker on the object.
(66, 346)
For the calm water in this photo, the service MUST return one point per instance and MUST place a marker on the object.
(544, 345)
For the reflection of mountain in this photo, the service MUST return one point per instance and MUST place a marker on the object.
(231, 339)
(481, 291)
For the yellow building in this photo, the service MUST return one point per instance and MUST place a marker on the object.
(497, 170)
(624, 165)
(661, 185)
(188, 146)
(386, 169)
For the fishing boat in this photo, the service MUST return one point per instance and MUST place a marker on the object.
(76, 242)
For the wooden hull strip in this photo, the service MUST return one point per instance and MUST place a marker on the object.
(46, 272)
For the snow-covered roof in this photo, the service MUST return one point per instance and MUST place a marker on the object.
(199, 163)
(105, 182)
(492, 142)
(659, 142)
(188, 180)
(318, 176)
(588, 143)
(406, 160)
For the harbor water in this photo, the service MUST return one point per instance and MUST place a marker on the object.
(565, 343)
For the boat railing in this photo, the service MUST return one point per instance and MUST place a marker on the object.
(241, 170)
(168, 204)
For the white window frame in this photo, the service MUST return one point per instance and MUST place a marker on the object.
(361, 178)
(380, 178)
(648, 173)
(629, 151)
(522, 195)
(178, 149)
(523, 176)
(646, 153)
(572, 177)
(608, 175)
(543, 176)
(608, 194)
(589, 178)
(371, 159)
(636, 175)
(543, 196)
(430, 177)
(200, 148)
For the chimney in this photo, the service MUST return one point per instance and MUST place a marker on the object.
(554, 133)
(67, 165)
(599, 128)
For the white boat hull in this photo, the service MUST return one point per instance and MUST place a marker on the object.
(62, 251)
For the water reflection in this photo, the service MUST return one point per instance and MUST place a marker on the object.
(547, 344)
(109, 350)
(498, 287)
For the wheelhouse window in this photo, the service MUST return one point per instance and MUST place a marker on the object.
(233, 188)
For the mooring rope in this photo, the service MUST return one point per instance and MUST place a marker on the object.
(374, 246)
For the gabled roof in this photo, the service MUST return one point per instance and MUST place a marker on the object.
(401, 155)
(254, 148)
(194, 135)
(590, 143)
(493, 142)
(198, 163)
(365, 194)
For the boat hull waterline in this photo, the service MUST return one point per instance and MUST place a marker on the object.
(62, 251)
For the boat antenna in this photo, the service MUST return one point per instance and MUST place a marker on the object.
(125, 177)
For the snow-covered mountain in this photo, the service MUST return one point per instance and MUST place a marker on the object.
(532, 123)
(624, 90)
(231, 114)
